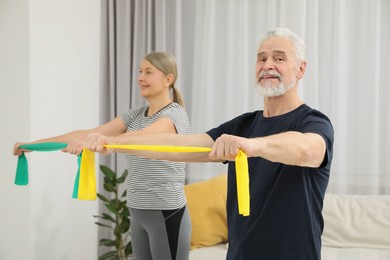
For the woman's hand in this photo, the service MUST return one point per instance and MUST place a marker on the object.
(74, 147)
(18, 151)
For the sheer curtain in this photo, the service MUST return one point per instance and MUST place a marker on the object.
(347, 76)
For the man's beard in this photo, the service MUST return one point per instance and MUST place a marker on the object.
(267, 90)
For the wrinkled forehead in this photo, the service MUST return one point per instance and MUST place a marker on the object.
(276, 45)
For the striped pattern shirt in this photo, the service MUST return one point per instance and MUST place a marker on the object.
(155, 184)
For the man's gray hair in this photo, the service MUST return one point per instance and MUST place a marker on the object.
(299, 44)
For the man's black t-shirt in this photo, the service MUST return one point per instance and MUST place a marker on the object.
(286, 201)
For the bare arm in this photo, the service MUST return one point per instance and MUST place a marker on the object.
(114, 127)
(291, 148)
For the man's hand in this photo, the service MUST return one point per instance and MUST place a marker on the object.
(226, 147)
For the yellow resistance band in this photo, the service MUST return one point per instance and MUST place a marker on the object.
(242, 175)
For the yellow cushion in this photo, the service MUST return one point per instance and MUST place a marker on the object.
(207, 208)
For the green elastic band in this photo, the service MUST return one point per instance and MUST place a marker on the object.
(44, 147)
(76, 182)
(21, 177)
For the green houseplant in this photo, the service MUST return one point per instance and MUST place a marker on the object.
(119, 218)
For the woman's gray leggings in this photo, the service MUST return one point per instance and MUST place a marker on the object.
(160, 234)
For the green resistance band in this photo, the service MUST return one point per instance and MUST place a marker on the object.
(21, 177)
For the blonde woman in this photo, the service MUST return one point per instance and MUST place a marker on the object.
(160, 222)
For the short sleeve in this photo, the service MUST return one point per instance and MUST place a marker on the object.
(128, 117)
(179, 118)
(316, 122)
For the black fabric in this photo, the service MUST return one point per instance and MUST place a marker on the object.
(286, 201)
(172, 223)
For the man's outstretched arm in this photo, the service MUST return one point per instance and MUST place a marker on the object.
(291, 148)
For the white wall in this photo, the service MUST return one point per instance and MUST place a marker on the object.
(14, 107)
(49, 84)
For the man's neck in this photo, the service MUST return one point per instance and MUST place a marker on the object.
(275, 106)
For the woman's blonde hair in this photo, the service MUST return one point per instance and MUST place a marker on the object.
(166, 63)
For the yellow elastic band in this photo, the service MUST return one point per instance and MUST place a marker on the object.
(159, 148)
(87, 181)
(242, 179)
(242, 175)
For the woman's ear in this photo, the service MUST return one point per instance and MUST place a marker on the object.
(170, 79)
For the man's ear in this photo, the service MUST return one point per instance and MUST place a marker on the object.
(302, 69)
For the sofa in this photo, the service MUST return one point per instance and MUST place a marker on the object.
(357, 227)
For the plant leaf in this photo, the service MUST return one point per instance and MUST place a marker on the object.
(125, 173)
(108, 217)
(112, 182)
(123, 204)
(112, 208)
(103, 198)
(107, 242)
(124, 226)
(116, 202)
(109, 187)
(103, 225)
(107, 255)
(128, 249)
(123, 177)
(124, 213)
(108, 172)
(117, 232)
